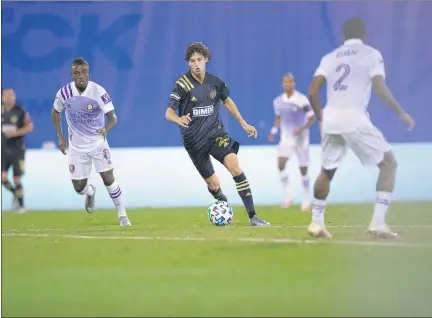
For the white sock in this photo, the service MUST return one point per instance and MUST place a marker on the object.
(318, 209)
(284, 177)
(380, 210)
(305, 180)
(87, 190)
(115, 193)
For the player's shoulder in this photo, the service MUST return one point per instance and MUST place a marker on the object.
(65, 88)
(184, 82)
(19, 109)
(301, 97)
(373, 52)
(95, 87)
(278, 99)
(214, 79)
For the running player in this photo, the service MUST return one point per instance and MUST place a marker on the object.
(350, 71)
(86, 103)
(294, 116)
(196, 97)
(16, 123)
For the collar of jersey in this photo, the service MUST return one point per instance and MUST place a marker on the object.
(189, 75)
(353, 41)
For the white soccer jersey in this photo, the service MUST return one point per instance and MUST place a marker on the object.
(349, 71)
(85, 113)
(294, 112)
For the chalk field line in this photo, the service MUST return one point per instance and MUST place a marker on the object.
(227, 239)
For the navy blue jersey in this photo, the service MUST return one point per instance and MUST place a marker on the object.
(202, 102)
(16, 118)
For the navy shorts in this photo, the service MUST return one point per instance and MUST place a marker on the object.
(218, 148)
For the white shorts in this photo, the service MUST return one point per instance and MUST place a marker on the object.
(367, 143)
(80, 162)
(300, 146)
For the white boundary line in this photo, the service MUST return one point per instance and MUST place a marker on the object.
(138, 227)
(239, 239)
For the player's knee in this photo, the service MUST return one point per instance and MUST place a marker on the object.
(281, 163)
(4, 177)
(17, 180)
(232, 164)
(107, 178)
(79, 185)
(389, 162)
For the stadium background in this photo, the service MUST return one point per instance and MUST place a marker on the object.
(136, 52)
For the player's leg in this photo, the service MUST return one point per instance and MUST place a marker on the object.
(302, 152)
(104, 166)
(333, 152)
(18, 172)
(371, 148)
(203, 164)
(5, 165)
(80, 170)
(285, 151)
(231, 162)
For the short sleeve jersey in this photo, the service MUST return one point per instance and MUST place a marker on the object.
(16, 118)
(349, 71)
(202, 102)
(84, 113)
(294, 112)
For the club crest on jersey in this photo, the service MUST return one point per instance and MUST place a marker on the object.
(89, 107)
(14, 120)
(294, 108)
(105, 98)
(202, 111)
(212, 94)
(71, 168)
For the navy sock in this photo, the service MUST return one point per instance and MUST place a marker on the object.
(218, 195)
(245, 193)
(8, 186)
(19, 194)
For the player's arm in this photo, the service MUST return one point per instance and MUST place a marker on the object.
(383, 92)
(309, 113)
(276, 124)
(176, 97)
(28, 126)
(58, 107)
(315, 88)
(233, 110)
(107, 107)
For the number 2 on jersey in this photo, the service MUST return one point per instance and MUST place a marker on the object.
(345, 70)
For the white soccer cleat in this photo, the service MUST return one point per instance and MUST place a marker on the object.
(21, 210)
(383, 232)
(305, 206)
(318, 231)
(90, 201)
(15, 203)
(124, 221)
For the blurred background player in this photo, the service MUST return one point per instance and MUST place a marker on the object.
(350, 71)
(196, 96)
(294, 116)
(86, 104)
(16, 123)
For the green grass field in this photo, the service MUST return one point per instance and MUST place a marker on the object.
(172, 262)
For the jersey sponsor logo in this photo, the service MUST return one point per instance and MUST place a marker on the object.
(89, 107)
(202, 111)
(212, 94)
(105, 98)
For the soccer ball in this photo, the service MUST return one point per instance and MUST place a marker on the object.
(220, 213)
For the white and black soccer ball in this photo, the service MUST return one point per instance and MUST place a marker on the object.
(220, 213)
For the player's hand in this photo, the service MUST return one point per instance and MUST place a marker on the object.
(62, 144)
(271, 137)
(11, 133)
(298, 132)
(250, 130)
(102, 132)
(408, 120)
(184, 121)
(320, 128)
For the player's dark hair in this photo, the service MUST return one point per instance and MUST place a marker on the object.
(197, 47)
(79, 61)
(354, 28)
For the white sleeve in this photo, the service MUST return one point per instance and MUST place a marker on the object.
(276, 107)
(377, 67)
(322, 68)
(58, 103)
(307, 107)
(105, 101)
